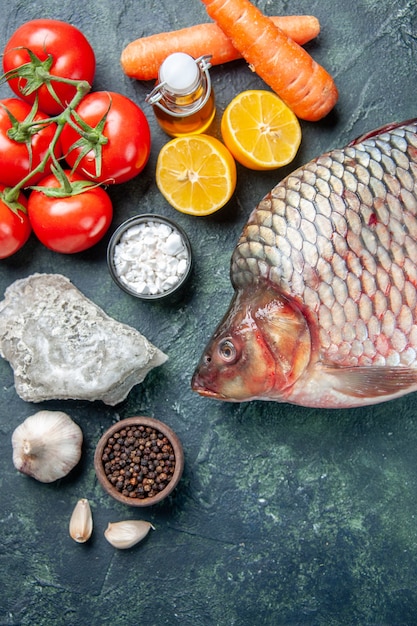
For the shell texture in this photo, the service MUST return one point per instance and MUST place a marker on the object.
(340, 235)
(63, 346)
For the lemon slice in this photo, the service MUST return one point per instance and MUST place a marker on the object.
(260, 130)
(196, 174)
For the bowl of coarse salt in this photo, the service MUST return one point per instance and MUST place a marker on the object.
(149, 257)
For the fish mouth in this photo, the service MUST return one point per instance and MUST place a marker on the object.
(200, 387)
(206, 393)
(209, 393)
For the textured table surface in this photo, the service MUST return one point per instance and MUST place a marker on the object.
(284, 515)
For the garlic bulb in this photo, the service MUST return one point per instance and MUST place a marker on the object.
(81, 522)
(47, 445)
(126, 534)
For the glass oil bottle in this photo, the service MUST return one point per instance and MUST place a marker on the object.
(183, 100)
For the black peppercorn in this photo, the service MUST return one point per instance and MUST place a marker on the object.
(138, 462)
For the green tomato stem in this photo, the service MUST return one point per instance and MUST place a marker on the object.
(83, 87)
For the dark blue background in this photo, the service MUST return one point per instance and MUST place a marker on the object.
(284, 515)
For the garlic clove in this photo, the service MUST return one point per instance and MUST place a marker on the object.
(126, 534)
(81, 522)
(47, 445)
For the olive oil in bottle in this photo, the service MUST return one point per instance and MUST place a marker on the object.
(183, 100)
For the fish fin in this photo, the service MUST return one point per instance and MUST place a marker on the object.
(368, 382)
(382, 129)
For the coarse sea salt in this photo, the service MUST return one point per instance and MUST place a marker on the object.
(150, 258)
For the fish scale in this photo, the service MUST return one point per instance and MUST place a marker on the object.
(339, 234)
(324, 311)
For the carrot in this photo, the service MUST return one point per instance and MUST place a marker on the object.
(305, 86)
(142, 58)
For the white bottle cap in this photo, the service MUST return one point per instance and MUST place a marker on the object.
(180, 73)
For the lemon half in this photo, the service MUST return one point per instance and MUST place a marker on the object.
(260, 130)
(196, 174)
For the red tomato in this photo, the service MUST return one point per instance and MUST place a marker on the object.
(72, 223)
(15, 159)
(73, 57)
(127, 132)
(14, 227)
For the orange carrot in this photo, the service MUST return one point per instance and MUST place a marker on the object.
(142, 58)
(305, 86)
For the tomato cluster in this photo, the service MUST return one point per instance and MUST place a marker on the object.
(60, 142)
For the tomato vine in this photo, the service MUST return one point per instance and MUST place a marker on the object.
(100, 138)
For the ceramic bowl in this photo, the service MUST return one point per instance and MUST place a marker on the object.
(136, 257)
(145, 449)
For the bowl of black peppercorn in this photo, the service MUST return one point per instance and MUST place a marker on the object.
(139, 461)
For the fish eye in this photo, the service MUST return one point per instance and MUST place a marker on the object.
(227, 350)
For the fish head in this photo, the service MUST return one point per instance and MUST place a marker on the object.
(259, 350)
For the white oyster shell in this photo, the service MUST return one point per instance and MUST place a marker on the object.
(63, 346)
